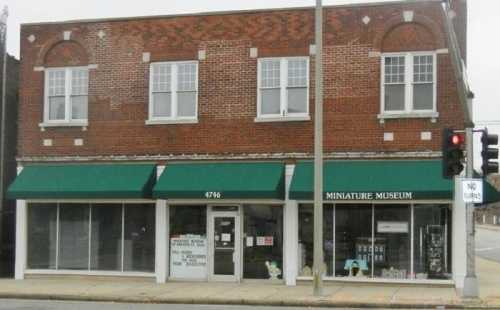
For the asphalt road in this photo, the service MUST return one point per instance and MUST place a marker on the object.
(11, 304)
(488, 244)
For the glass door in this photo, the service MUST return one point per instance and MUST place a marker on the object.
(225, 246)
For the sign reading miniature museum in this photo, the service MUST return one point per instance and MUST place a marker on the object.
(472, 190)
(368, 195)
(188, 257)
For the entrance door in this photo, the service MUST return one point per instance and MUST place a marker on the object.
(225, 246)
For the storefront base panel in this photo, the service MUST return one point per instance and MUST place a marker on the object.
(447, 283)
(74, 274)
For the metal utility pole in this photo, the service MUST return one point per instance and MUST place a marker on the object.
(318, 155)
(465, 96)
(3, 30)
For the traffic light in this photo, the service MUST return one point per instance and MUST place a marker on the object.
(453, 153)
(489, 153)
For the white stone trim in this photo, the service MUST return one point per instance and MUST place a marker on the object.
(254, 53)
(312, 49)
(373, 54)
(67, 35)
(169, 122)
(92, 66)
(442, 51)
(78, 142)
(388, 136)
(282, 119)
(21, 236)
(146, 57)
(426, 135)
(47, 142)
(408, 16)
(290, 230)
(39, 69)
(250, 156)
(202, 54)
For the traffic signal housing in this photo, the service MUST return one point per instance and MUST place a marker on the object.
(488, 153)
(453, 153)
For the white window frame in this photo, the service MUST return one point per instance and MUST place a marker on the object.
(409, 83)
(174, 118)
(284, 115)
(67, 121)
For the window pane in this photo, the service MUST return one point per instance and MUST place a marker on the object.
(432, 242)
(297, 100)
(42, 235)
(297, 72)
(106, 237)
(423, 69)
(186, 77)
(162, 105)
(263, 262)
(394, 97)
(270, 101)
(56, 108)
(306, 245)
(139, 244)
(353, 236)
(186, 104)
(57, 83)
(161, 77)
(270, 73)
(392, 241)
(394, 69)
(79, 107)
(79, 82)
(74, 236)
(423, 96)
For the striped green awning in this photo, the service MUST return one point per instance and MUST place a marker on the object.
(229, 180)
(72, 181)
(374, 180)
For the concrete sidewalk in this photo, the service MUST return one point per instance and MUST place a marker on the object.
(257, 293)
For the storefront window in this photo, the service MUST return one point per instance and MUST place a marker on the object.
(73, 236)
(139, 238)
(90, 237)
(306, 236)
(42, 236)
(188, 242)
(263, 242)
(432, 241)
(392, 241)
(106, 249)
(353, 236)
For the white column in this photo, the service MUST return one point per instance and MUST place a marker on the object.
(21, 236)
(161, 237)
(291, 232)
(459, 237)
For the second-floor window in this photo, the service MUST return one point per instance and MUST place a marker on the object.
(409, 83)
(283, 87)
(173, 91)
(66, 95)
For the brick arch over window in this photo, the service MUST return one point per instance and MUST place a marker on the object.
(63, 54)
(420, 34)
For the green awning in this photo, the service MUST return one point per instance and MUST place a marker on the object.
(71, 181)
(374, 180)
(229, 180)
(491, 194)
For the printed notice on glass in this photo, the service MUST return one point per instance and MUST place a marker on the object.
(188, 257)
(249, 241)
(226, 238)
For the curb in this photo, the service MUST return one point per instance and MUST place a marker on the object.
(249, 302)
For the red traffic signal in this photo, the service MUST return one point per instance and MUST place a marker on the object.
(453, 153)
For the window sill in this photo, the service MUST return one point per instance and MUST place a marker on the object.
(44, 125)
(432, 115)
(282, 119)
(172, 122)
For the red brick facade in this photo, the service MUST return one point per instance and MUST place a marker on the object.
(118, 89)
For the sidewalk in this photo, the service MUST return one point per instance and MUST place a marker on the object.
(257, 293)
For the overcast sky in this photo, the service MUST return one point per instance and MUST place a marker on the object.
(483, 44)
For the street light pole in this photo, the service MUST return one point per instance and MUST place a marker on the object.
(318, 155)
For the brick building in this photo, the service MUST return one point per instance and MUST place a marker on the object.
(179, 147)
(7, 211)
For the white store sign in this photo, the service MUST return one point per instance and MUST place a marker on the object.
(188, 257)
(472, 190)
(392, 227)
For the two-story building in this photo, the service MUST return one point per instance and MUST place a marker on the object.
(180, 147)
